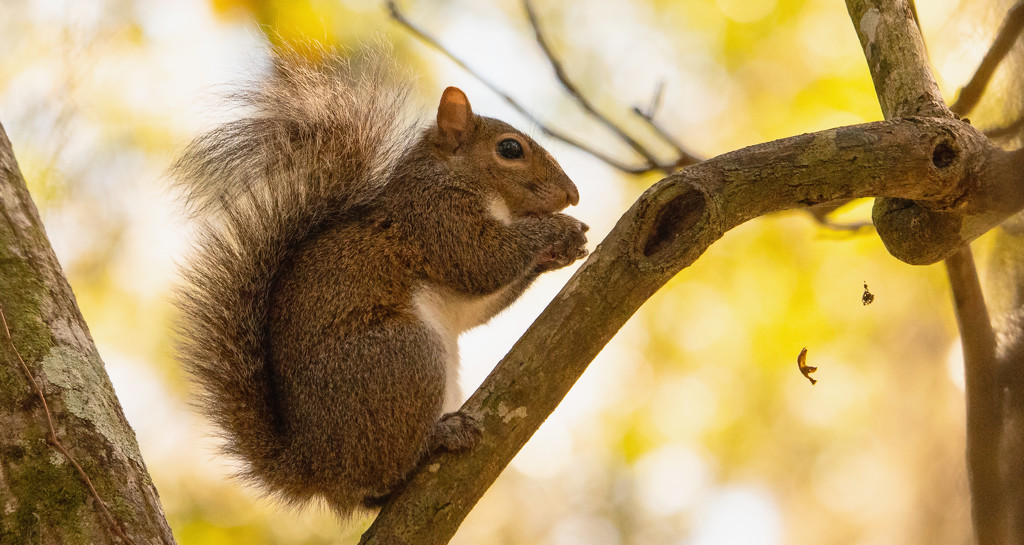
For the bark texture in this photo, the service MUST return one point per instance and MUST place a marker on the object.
(926, 232)
(43, 500)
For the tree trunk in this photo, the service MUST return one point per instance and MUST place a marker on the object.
(70, 468)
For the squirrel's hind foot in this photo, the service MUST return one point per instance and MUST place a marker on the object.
(455, 432)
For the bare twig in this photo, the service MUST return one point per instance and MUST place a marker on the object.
(51, 438)
(821, 213)
(685, 157)
(400, 18)
(584, 103)
(984, 399)
(971, 93)
(1007, 131)
(847, 227)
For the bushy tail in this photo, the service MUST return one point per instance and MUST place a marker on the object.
(315, 139)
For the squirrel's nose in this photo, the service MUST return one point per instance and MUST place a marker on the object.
(572, 195)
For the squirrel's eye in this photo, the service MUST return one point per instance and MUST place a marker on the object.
(510, 148)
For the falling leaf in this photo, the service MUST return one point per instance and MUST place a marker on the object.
(801, 362)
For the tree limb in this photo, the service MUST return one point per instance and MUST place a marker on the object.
(905, 86)
(47, 331)
(1005, 282)
(1007, 131)
(899, 66)
(984, 400)
(666, 230)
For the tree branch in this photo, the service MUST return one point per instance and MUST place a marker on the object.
(971, 93)
(1007, 131)
(666, 230)
(905, 86)
(113, 525)
(1005, 283)
(685, 158)
(984, 399)
(942, 167)
(50, 336)
(897, 58)
(904, 83)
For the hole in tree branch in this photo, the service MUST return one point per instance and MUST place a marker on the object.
(674, 219)
(944, 155)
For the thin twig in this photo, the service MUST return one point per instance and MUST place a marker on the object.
(685, 157)
(971, 93)
(578, 95)
(1006, 131)
(400, 18)
(821, 212)
(52, 437)
(848, 227)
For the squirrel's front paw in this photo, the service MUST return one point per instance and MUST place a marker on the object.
(455, 432)
(569, 248)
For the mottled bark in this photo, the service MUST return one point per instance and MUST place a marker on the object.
(43, 499)
(921, 233)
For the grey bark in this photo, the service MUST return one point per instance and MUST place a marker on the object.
(43, 499)
(926, 232)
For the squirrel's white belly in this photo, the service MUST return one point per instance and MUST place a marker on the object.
(448, 314)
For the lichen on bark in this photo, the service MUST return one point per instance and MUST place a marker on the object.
(43, 497)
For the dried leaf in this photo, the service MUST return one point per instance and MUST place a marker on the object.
(801, 362)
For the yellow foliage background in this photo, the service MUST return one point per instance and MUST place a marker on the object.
(694, 426)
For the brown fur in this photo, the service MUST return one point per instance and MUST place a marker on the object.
(329, 232)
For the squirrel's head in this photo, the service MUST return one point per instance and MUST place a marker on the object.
(507, 161)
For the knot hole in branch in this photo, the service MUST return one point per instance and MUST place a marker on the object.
(943, 155)
(678, 216)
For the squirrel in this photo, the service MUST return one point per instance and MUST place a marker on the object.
(340, 253)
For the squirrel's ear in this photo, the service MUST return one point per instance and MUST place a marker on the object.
(454, 117)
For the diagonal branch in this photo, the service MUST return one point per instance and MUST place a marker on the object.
(897, 59)
(54, 441)
(685, 158)
(666, 230)
(971, 93)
